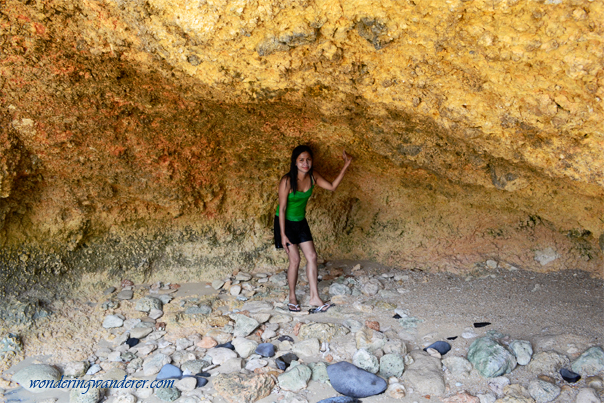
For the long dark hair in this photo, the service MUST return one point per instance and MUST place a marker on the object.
(293, 169)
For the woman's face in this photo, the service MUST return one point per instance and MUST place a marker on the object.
(304, 162)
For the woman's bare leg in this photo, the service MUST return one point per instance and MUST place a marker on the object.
(292, 272)
(311, 271)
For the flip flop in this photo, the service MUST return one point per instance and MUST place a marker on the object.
(321, 309)
(296, 307)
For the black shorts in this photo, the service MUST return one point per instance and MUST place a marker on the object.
(296, 231)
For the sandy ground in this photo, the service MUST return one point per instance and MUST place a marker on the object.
(560, 311)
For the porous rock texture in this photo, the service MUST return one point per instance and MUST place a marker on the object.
(147, 137)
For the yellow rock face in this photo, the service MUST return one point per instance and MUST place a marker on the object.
(154, 132)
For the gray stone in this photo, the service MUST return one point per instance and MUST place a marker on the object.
(459, 367)
(167, 394)
(395, 346)
(590, 362)
(165, 298)
(587, 395)
(198, 310)
(194, 366)
(41, 372)
(492, 264)
(498, 385)
(257, 306)
(220, 355)
(125, 295)
(243, 277)
(156, 313)
(279, 279)
(186, 384)
(153, 364)
(339, 289)
(244, 347)
(546, 256)
(231, 365)
(392, 365)
(369, 339)
(140, 332)
(321, 331)
(353, 325)
(81, 395)
(295, 378)
(306, 348)
(543, 391)
(244, 326)
(109, 290)
(523, 350)
(145, 304)
(343, 347)
(112, 321)
(487, 398)
(217, 284)
(130, 323)
(76, 368)
(94, 368)
(133, 366)
(319, 372)
(425, 374)
(490, 358)
(547, 362)
(365, 360)
(235, 290)
(255, 364)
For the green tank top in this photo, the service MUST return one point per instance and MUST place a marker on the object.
(296, 205)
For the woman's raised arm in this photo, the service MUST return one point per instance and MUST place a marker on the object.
(325, 184)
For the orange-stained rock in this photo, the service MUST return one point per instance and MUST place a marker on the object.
(207, 342)
(296, 329)
(373, 324)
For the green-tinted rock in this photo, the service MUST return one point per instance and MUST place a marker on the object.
(167, 394)
(319, 372)
(590, 362)
(392, 365)
(490, 358)
(81, 395)
(295, 379)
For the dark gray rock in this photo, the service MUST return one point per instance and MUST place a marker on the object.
(265, 350)
(351, 381)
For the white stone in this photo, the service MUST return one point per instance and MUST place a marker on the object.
(587, 395)
(546, 256)
(235, 290)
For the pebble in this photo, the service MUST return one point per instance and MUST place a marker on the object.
(295, 378)
(424, 374)
(542, 391)
(587, 395)
(365, 360)
(109, 290)
(125, 295)
(217, 284)
(523, 350)
(369, 339)
(459, 367)
(265, 350)
(81, 395)
(156, 313)
(392, 365)
(235, 290)
(569, 376)
(594, 382)
(339, 289)
(487, 398)
(396, 391)
(167, 394)
(207, 342)
(319, 372)
(351, 381)
(231, 365)
(306, 348)
(94, 368)
(547, 362)
(33, 372)
(590, 362)
(147, 303)
(372, 324)
(498, 385)
(76, 368)
(244, 325)
(469, 334)
(255, 364)
(228, 345)
(112, 321)
(139, 333)
(220, 355)
(490, 358)
(194, 366)
(169, 371)
(153, 364)
(244, 347)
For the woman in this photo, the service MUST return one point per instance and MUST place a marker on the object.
(291, 227)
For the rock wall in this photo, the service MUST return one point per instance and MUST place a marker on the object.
(146, 138)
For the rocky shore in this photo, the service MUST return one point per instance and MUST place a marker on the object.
(507, 336)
